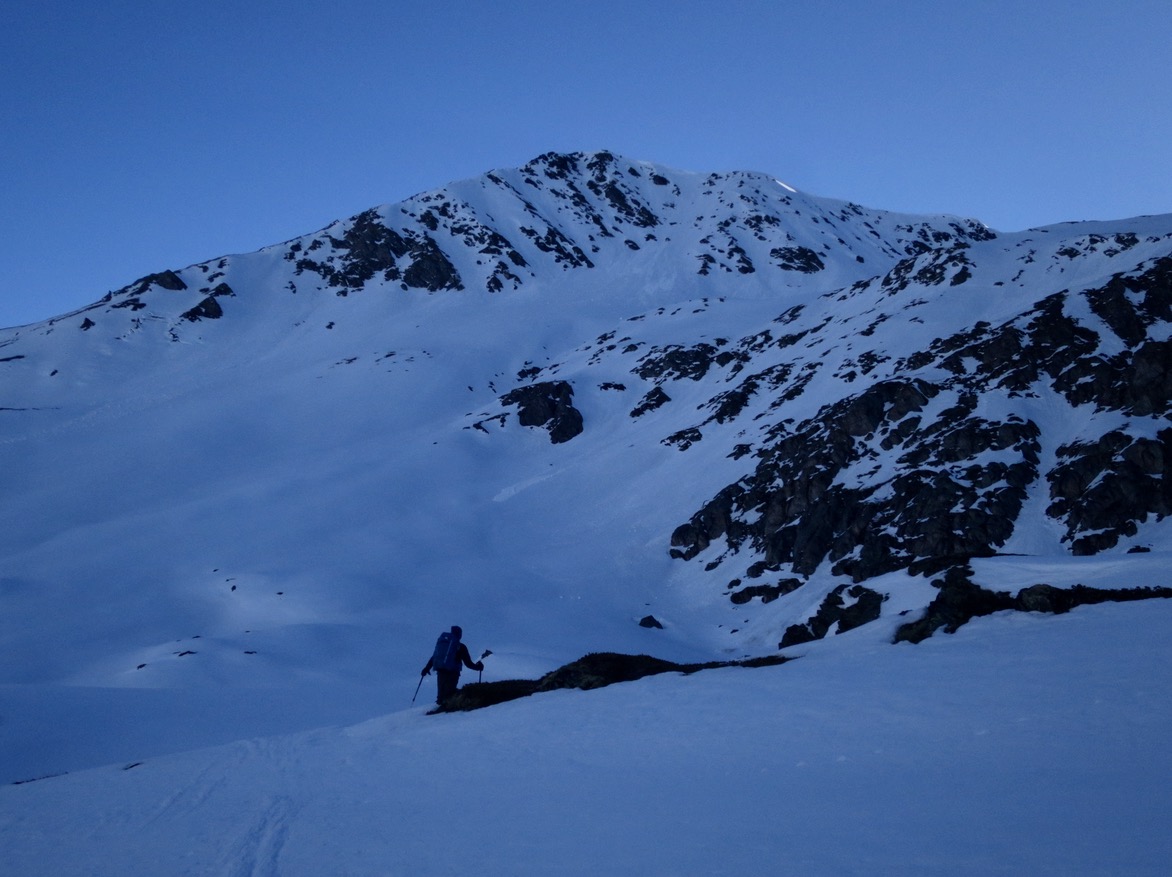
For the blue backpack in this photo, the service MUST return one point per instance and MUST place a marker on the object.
(447, 652)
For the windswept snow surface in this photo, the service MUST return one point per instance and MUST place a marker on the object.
(1023, 744)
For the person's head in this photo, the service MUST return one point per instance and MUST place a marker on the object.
(457, 632)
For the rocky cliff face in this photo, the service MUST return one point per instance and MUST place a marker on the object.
(935, 461)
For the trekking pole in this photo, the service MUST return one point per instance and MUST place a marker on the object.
(487, 652)
(417, 687)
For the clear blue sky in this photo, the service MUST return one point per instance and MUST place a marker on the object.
(138, 136)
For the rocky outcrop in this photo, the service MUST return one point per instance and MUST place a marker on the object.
(168, 280)
(676, 361)
(1103, 489)
(596, 670)
(131, 296)
(655, 398)
(369, 248)
(549, 405)
(797, 509)
(960, 600)
(208, 309)
(767, 593)
(916, 472)
(864, 606)
(797, 259)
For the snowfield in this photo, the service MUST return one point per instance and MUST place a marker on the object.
(1021, 745)
(240, 499)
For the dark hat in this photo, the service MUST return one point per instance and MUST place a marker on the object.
(456, 629)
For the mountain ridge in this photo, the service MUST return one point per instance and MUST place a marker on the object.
(572, 394)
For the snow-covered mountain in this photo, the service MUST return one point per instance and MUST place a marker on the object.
(549, 404)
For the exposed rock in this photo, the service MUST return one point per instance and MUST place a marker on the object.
(655, 398)
(684, 438)
(713, 521)
(767, 593)
(1130, 305)
(960, 600)
(675, 362)
(797, 259)
(960, 480)
(865, 607)
(794, 509)
(368, 248)
(604, 668)
(430, 269)
(208, 309)
(596, 670)
(1103, 489)
(549, 405)
(563, 250)
(164, 280)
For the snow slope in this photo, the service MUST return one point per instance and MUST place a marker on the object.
(1021, 745)
(242, 497)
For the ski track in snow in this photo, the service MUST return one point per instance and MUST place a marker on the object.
(258, 852)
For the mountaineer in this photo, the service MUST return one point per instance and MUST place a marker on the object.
(449, 654)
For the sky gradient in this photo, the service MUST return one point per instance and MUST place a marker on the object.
(139, 136)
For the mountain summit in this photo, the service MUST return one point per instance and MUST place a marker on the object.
(569, 396)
